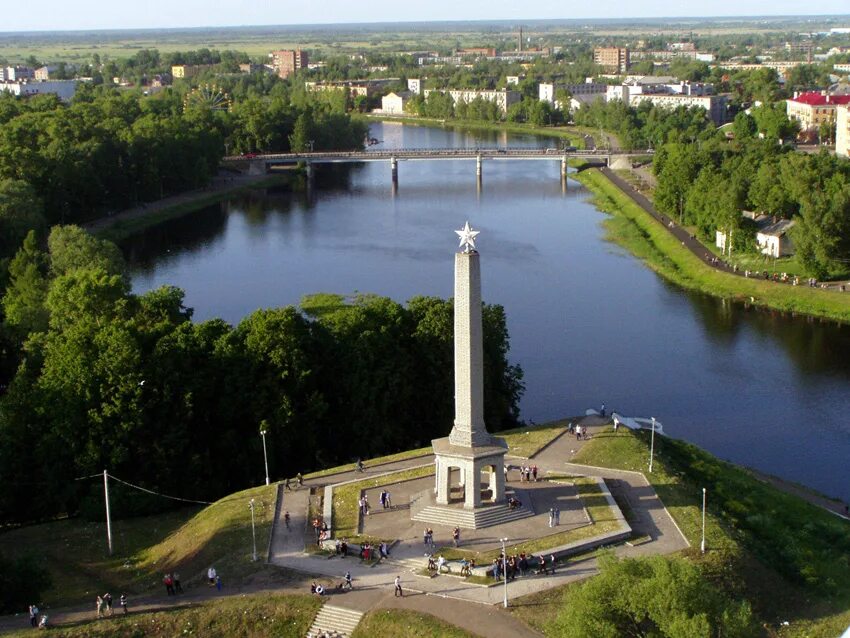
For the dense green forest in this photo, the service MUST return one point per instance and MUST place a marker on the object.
(109, 379)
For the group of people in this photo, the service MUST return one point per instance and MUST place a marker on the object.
(363, 504)
(528, 474)
(554, 516)
(172, 584)
(428, 537)
(579, 430)
(386, 500)
(514, 503)
(323, 533)
(103, 605)
(522, 564)
(299, 480)
(35, 621)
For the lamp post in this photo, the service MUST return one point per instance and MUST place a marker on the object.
(253, 530)
(702, 544)
(652, 445)
(265, 454)
(505, 568)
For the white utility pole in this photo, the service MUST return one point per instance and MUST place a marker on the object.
(265, 454)
(505, 569)
(652, 445)
(702, 544)
(253, 530)
(108, 516)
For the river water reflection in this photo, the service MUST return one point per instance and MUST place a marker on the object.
(588, 322)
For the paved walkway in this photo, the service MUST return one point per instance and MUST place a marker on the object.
(686, 238)
(651, 519)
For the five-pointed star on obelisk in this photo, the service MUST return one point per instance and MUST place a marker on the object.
(467, 237)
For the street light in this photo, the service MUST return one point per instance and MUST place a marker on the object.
(702, 544)
(265, 454)
(253, 530)
(505, 568)
(652, 445)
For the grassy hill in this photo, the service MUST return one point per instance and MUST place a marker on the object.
(260, 615)
(789, 558)
(188, 540)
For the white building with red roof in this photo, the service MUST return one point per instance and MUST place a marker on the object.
(813, 108)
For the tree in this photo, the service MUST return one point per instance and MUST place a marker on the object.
(22, 582)
(24, 301)
(656, 597)
(302, 133)
(71, 248)
(20, 212)
(675, 178)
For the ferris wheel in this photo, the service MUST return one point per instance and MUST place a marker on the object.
(207, 96)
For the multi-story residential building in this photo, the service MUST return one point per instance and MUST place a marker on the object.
(186, 71)
(613, 59)
(366, 88)
(18, 73)
(586, 92)
(251, 68)
(715, 105)
(44, 72)
(64, 89)
(814, 108)
(414, 85)
(477, 52)
(287, 62)
(842, 130)
(504, 99)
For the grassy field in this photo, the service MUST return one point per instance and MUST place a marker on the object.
(252, 616)
(188, 540)
(788, 557)
(346, 514)
(403, 623)
(633, 229)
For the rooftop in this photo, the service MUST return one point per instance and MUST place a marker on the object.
(818, 99)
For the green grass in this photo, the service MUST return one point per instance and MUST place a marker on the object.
(635, 230)
(369, 463)
(527, 441)
(257, 615)
(597, 507)
(187, 540)
(790, 558)
(403, 623)
(346, 513)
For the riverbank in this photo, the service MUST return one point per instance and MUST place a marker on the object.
(570, 133)
(134, 220)
(636, 230)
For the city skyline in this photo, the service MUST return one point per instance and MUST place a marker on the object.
(56, 15)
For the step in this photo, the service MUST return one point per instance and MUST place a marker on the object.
(333, 621)
(471, 519)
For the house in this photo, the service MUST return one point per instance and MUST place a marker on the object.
(771, 235)
(773, 240)
(43, 73)
(842, 131)
(394, 103)
(503, 99)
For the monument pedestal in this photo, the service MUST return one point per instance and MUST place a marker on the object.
(471, 463)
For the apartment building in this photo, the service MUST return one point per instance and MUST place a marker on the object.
(613, 59)
(186, 71)
(504, 99)
(813, 108)
(715, 105)
(585, 92)
(43, 73)
(287, 62)
(842, 130)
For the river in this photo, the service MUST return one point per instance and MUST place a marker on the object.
(589, 323)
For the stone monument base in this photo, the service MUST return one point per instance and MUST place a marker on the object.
(428, 510)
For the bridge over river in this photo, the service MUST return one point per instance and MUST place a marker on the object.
(264, 163)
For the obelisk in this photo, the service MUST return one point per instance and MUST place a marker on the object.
(469, 448)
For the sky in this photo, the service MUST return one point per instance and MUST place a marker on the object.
(49, 15)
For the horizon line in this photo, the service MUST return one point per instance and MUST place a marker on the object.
(518, 21)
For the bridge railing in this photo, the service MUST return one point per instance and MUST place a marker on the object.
(428, 152)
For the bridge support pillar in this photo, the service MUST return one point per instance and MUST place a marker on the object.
(564, 167)
(310, 171)
(394, 169)
(478, 167)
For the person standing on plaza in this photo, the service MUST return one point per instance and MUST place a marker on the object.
(398, 591)
(551, 517)
(178, 588)
(123, 602)
(456, 536)
(34, 616)
(534, 472)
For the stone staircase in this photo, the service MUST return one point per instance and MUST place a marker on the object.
(487, 516)
(334, 622)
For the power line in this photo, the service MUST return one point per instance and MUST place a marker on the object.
(174, 498)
